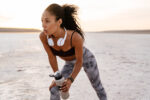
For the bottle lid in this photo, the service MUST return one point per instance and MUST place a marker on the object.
(58, 75)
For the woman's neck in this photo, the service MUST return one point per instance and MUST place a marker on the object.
(59, 33)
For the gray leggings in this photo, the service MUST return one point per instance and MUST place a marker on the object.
(91, 69)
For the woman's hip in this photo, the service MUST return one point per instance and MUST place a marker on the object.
(87, 56)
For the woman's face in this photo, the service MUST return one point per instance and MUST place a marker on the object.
(49, 24)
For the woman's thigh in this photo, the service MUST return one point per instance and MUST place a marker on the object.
(67, 69)
(90, 67)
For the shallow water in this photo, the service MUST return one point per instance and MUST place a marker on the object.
(123, 61)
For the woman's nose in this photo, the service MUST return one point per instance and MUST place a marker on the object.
(44, 26)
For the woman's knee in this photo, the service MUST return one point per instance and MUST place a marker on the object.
(54, 90)
(54, 93)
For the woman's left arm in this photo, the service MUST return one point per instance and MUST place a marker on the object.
(77, 42)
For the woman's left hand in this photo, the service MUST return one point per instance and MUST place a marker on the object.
(66, 85)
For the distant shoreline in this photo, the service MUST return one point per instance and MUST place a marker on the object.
(18, 30)
(123, 31)
(12, 30)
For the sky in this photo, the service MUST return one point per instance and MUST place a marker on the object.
(94, 15)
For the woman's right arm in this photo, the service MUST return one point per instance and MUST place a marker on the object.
(51, 56)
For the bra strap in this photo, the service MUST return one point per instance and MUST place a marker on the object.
(71, 39)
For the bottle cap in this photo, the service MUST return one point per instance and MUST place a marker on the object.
(58, 75)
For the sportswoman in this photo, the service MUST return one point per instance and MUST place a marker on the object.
(63, 37)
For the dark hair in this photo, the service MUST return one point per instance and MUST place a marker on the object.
(68, 13)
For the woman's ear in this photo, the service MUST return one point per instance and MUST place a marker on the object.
(59, 21)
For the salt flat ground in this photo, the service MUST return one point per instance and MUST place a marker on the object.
(123, 61)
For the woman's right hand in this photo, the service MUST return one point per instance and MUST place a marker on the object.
(52, 84)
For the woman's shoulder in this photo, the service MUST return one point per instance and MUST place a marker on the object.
(74, 34)
(76, 38)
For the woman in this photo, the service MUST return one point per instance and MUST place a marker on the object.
(63, 37)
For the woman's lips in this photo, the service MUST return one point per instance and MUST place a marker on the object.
(45, 31)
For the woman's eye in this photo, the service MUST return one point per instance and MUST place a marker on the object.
(47, 21)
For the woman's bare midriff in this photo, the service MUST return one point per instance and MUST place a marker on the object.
(68, 58)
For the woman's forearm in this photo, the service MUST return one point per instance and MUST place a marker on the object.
(53, 63)
(76, 70)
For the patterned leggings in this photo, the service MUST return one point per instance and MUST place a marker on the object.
(91, 69)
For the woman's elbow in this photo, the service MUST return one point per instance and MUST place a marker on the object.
(79, 62)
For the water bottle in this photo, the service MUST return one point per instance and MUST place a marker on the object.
(59, 80)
